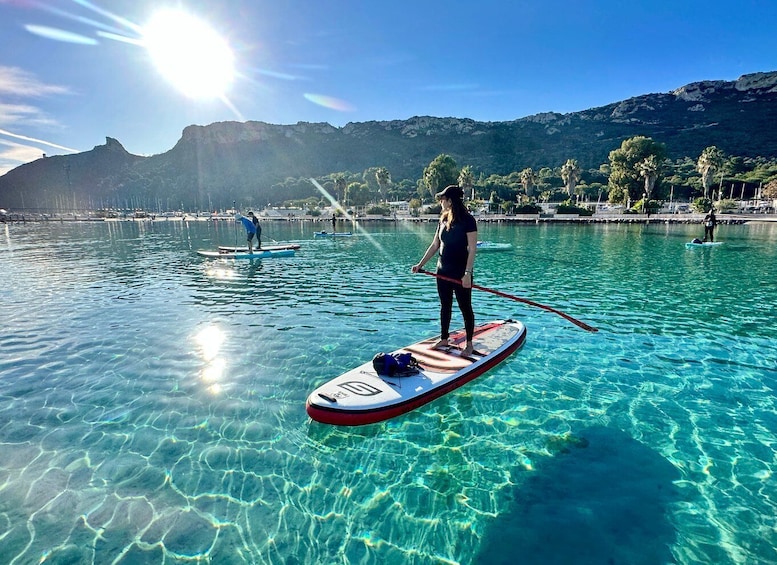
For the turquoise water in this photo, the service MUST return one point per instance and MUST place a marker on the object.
(152, 401)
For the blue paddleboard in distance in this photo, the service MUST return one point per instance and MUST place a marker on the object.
(332, 234)
(242, 248)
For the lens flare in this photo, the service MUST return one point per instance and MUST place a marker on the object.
(60, 35)
(330, 102)
(335, 204)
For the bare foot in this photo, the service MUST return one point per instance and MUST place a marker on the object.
(442, 344)
(468, 351)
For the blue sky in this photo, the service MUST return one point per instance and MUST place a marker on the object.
(75, 71)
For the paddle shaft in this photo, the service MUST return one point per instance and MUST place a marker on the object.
(575, 321)
(234, 207)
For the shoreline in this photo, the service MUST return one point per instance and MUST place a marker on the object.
(693, 218)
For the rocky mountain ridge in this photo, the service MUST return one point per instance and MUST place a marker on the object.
(243, 160)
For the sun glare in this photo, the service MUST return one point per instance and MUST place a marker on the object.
(189, 54)
(210, 340)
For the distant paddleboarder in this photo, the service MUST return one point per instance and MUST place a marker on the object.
(253, 230)
(710, 221)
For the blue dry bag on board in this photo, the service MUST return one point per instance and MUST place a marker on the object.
(394, 364)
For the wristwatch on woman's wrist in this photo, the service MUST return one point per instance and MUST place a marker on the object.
(467, 272)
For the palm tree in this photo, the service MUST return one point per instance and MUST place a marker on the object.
(441, 172)
(432, 179)
(570, 174)
(384, 179)
(340, 185)
(624, 180)
(467, 180)
(710, 161)
(770, 189)
(649, 168)
(529, 181)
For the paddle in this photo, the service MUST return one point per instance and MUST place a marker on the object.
(271, 239)
(578, 323)
(234, 207)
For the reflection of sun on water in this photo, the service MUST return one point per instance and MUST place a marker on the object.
(223, 274)
(214, 371)
(209, 341)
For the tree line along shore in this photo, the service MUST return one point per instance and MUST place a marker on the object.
(686, 218)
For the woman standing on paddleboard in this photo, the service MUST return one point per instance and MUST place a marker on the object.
(456, 239)
(710, 221)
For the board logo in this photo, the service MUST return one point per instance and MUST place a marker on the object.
(359, 388)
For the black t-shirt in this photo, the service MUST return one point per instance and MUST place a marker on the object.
(453, 246)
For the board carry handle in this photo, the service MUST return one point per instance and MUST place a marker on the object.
(575, 321)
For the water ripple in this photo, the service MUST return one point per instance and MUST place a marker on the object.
(152, 402)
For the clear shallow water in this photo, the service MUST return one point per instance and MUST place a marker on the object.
(152, 402)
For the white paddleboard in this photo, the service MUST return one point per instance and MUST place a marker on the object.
(704, 244)
(246, 255)
(360, 396)
(493, 246)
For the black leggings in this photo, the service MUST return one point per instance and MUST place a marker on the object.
(445, 291)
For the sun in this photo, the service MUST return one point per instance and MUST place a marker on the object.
(189, 54)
